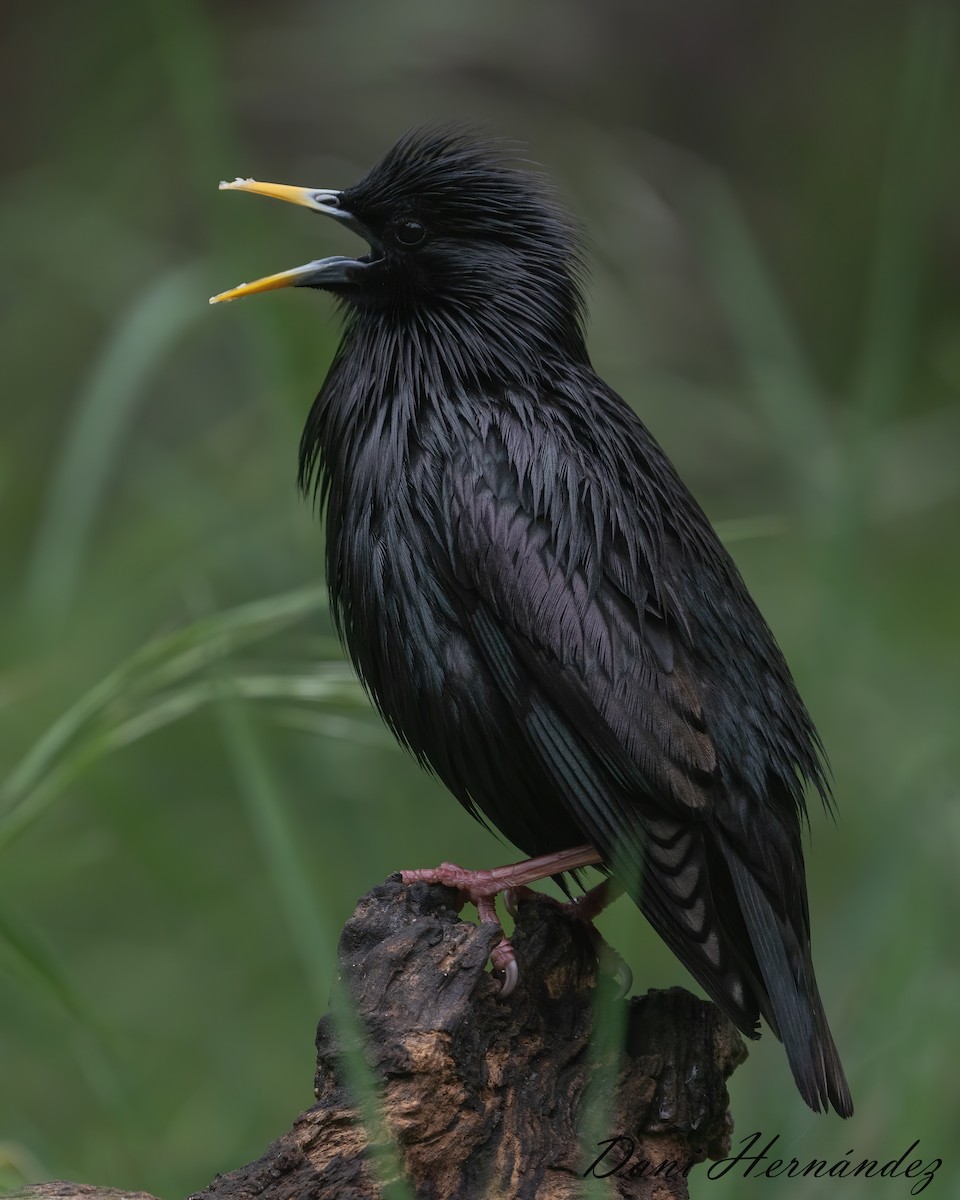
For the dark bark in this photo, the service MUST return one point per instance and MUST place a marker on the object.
(483, 1097)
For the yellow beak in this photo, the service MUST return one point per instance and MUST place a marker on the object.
(318, 273)
(319, 199)
(267, 284)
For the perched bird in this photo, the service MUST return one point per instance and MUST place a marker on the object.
(534, 600)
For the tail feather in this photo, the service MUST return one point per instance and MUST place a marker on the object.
(794, 999)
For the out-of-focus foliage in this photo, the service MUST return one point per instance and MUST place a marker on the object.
(194, 791)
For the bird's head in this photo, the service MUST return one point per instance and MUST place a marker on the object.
(459, 240)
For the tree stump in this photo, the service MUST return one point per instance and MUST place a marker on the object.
(486, 1097)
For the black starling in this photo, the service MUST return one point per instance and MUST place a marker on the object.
(533, 599)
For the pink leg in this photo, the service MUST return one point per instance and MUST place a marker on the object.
(591, 904)
(482, 888)
(585, 908)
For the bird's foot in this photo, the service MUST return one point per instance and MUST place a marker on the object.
(475, 887)
(586, 909)
(481, 889)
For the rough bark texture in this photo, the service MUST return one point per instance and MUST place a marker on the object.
(63, 1189)
(483, 1097)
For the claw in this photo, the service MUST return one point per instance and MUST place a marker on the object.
(505, 964)
(511, 975)
(616, 968)
(624, 978)
(512, 897)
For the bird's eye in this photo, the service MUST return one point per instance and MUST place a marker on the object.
(410, 233)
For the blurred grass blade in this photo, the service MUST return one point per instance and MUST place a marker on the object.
(915, 155)
(19, 1165)
(102, 413)
(336, 726)
(39, 963)
(916, 149)
(186, 44)
(275, 836)
(280, 846)
(382, 1152)
(37, 960)
(331, 683)
(186, 40)
(55, 780)
(80, 736)
(210, 637)
(785, 388)
(163, 660)
(599, 1120)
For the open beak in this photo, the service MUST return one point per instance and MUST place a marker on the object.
(323, 271)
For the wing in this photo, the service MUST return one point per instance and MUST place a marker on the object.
(574, 599)
(561, 604)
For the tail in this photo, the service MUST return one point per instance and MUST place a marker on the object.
(706, 902)
(794, 1009)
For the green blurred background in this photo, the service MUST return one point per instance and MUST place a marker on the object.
(195, 792)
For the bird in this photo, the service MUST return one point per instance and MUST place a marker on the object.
(534, 600)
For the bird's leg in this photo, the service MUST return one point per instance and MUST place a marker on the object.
(591, 904)
(481, 888)
(498, 879)
(585, 908)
